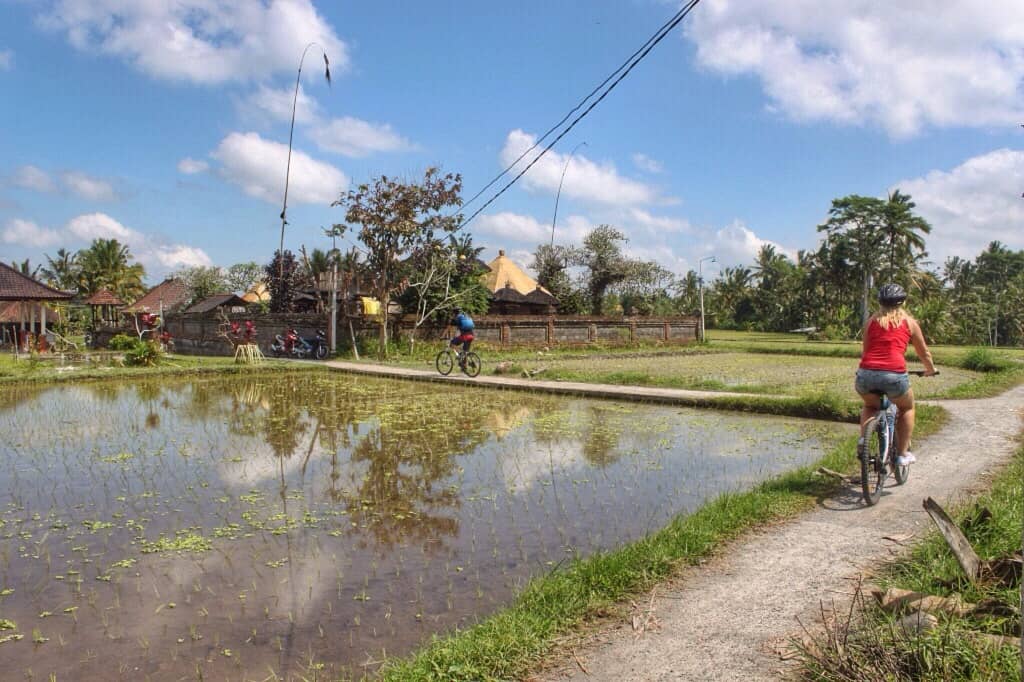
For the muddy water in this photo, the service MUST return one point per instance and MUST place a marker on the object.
(313, 525)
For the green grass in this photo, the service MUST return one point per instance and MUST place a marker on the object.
(950, 652)
(509, 643)
(42, 371)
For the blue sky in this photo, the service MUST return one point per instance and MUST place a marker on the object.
(165, 124)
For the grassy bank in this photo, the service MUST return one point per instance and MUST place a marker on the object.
(508, 644)
(32, 371)
(875, 647)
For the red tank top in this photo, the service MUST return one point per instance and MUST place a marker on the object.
(885, 347)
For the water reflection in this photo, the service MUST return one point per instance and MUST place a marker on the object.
(336, 518)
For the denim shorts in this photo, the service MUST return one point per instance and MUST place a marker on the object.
(893, 384)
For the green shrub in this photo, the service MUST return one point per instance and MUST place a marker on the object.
(984, 360)
(144, 354)
(123, 342)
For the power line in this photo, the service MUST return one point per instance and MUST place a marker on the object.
(635, 58)
(578, 106)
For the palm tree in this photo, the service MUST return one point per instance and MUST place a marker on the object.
(106, 265)
(903, 232)
(62, 271)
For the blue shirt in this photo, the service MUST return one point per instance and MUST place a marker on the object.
(464, 322)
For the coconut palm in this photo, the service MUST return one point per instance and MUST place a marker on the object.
(106, 264)
(61, 271)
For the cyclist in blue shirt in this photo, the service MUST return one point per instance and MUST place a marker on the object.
(464, 323)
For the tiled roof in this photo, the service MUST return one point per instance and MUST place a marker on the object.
(172, 294)
(215, 301)
(103, 297)
(15, 286)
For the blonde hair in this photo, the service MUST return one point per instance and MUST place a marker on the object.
(892, 316)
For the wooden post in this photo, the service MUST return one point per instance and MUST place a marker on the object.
(632, 331)
(668, 330)
(549, 331)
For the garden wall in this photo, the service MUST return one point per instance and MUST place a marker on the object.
(199, 334)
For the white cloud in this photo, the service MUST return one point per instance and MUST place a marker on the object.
(203, 41)
(646, 163)
(977, 202)
(178, 255)
(277, 104)
(901, 64)
(584, 179)
(88, 187)
(190, 166)
(30, 177)
(28, 233)
(514, 228)
(258, 167)
(652, 223)
(91, 226)
(736, 244)
(357, 138)
(6, 60)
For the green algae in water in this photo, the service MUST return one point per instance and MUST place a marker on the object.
(343, 515)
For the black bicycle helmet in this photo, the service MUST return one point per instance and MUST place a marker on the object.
(891, 295)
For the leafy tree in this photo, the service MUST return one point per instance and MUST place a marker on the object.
(106, 264)
(551, 263)
(601, 256)
(392, 218)
(904, 233)
(241, 277)
(202, 281)
(62, 270)
(281, 276)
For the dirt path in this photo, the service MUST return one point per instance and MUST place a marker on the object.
(728, 619)
(577, 388)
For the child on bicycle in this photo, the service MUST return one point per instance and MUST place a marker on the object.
(883, 369)
(464, 323)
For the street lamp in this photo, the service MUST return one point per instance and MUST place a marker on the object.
(291, 133)
(559, 194)
(700, 285)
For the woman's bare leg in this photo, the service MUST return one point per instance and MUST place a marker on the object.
(905, 420)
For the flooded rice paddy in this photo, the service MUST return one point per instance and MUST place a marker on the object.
(309, 526)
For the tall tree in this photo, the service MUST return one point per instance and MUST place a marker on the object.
(857, 221)
(391, 218)
(281, 275)
(241, 277)
(62, 270)
(904, 234)
(202, 281)
(106, 264)
(604, 261)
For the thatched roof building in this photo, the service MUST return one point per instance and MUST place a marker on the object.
(513, 292)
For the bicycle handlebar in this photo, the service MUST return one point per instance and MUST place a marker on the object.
(920, 373)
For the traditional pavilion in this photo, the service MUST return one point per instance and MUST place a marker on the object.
(104, 307)
(232, 302)
(170, 296)
(30, 295)
(513, 292)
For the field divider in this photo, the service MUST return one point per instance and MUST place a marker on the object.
(809, 406)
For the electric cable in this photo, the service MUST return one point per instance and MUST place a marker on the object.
(672, 24)
(664, 28)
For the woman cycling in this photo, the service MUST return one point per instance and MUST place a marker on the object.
(884, 369)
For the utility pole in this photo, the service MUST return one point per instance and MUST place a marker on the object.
(700, 286)
(559, 193)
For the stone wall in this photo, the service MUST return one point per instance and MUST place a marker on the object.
(198, 334)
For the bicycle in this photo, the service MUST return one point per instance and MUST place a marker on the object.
(468, 362)
(877, 450)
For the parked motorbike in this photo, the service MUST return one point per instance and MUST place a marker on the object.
(292, 345)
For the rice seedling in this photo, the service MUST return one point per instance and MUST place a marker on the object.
(262, 509)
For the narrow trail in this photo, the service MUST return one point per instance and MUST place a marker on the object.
(730, 618)
(577, 388)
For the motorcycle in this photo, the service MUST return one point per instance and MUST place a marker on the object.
(293, 345)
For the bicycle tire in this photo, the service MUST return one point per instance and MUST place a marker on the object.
(471, 364)
(872, 468)
(444, 362)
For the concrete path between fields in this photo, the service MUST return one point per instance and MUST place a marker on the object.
(575, 388)
(731, 618)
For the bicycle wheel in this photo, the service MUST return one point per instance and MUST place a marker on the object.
(872, 469)
(471, 364)
(445, 362)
